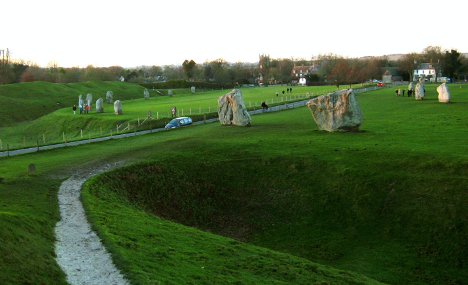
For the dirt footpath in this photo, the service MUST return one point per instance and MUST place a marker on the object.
(79, 251)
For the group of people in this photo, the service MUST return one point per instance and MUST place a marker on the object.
(288, 90)
(399, 92)
(83, 110)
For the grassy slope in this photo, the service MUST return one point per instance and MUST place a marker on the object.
(28, 101)
(389, 140)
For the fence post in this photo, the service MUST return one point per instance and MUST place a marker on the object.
(81, 133)
(89, 136)
(117, 128)
(204, 119)
(37, 143)
(63, 135)
(65, 140)
(111, 132)
(138, 121)
(8, 149)
(157, 115)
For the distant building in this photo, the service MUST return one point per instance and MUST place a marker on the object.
(298, 73)
(391, 75)
(426, 70)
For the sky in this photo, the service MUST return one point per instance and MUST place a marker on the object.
(134, 32)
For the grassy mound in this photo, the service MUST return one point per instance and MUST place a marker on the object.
(29, 101)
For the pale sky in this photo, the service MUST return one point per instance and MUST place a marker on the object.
(135, 32)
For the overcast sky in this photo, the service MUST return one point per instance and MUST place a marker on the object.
(135, 32)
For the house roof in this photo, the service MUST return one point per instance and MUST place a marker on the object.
(304, 68)
(426, 66)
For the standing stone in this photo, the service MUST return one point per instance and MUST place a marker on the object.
(444, 95)
(89, 98)
(192, 89)
(80, 101)
(336, 112)
(32, 170)
(231, 109)
(169, 92)
(99, 107)
(117, 107)
(146, 94)
(419, 95)
(149, 113)
(411, 86)
(110, 97)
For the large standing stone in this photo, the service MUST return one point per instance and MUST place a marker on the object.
(192, 89)
(146, 94)
(117, 107)
(419, 95)
(444, 95)
(99, 107)
(231, 109)
(169, 92)
(336, 112)
(110, 97)
(80, 100)
(411, 86)
(89, 98)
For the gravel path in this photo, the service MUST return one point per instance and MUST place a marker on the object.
(79, 251)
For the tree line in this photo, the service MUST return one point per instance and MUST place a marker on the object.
(325, 69)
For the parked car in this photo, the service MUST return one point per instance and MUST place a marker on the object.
(380, 84)
(179, 122)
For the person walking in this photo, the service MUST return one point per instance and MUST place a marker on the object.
(81, 109)
(74, 109)
(87, 108)
(276, 93)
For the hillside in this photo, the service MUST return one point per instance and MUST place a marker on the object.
(28, 101)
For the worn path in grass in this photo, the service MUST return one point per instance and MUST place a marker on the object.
(79, 251)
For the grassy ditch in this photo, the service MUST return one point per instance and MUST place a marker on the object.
(152, 250)
(394, 226)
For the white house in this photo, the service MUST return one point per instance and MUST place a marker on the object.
(425, 70)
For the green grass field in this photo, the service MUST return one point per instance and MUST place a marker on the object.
(52, 127)
(388, 202)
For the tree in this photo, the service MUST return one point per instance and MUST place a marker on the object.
(452, 63)
(407, 64)
(339, 74)
(188, 68)
(5, 68)
(434, 55)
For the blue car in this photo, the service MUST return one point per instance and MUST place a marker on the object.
(179, 122)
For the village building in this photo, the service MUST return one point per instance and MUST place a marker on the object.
(425, 70)
(391, 74)
(299, 73)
